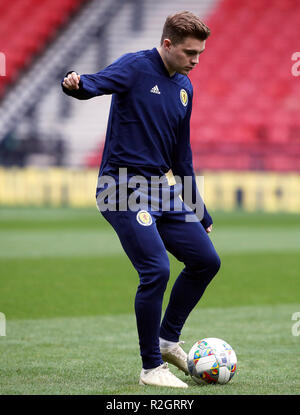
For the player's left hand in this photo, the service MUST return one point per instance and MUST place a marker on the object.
(209, 229)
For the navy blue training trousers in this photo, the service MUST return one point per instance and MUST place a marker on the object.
(146, 243)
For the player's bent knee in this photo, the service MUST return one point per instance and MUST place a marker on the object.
(155, 276)
(216, 263)
(213, 264)
(163, 274)
(210, 266)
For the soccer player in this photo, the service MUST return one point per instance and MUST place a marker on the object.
(148, 136)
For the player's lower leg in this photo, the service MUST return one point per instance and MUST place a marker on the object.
(186, 293)
(173, 353)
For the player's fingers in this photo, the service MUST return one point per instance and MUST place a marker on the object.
(67, 83)
(74, 77)
(70, 83)
(71, 80)
(209, 229)
(74, 80)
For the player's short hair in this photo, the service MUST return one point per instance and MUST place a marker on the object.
(180, 25)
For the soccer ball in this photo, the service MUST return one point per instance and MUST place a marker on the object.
(211, 360)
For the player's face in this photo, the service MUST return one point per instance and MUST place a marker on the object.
(183, 57)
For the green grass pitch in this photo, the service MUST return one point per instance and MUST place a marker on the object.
(67, 291)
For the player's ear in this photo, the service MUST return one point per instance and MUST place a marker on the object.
(167, 44)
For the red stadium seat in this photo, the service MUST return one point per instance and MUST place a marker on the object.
(26, 28)
(244, 93)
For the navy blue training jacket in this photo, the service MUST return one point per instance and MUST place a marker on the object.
(149, 120)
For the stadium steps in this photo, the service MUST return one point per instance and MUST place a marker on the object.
(49, 66)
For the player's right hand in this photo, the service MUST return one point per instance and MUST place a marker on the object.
(72, 81)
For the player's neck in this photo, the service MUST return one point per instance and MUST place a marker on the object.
(163, 57)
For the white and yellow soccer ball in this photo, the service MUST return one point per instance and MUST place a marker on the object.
(211, 360)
